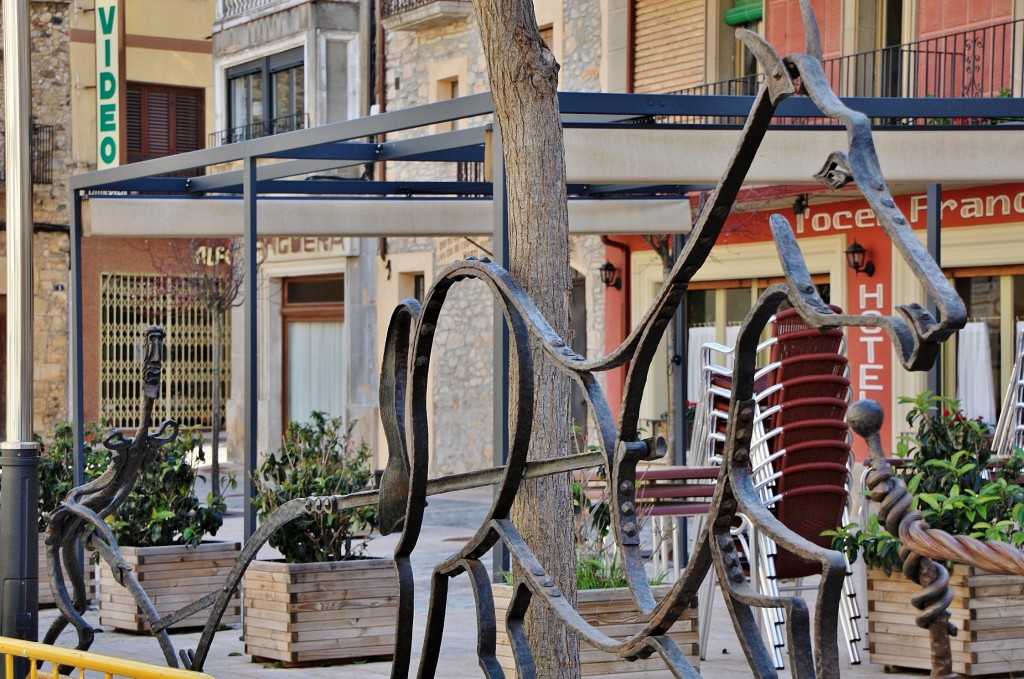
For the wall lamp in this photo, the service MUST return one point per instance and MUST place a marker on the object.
(857, 259)
(610, 275)
(800, 204)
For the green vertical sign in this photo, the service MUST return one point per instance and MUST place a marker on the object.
(108, 115)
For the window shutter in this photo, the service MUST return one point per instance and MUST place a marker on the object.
(163, 120)
(158, 123)
(133, 129)
(188, 122)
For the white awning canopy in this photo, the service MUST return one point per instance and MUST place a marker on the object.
(378, 217)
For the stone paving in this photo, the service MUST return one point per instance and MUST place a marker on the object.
(449, 521)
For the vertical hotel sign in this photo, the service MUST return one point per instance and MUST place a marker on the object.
(108, 85)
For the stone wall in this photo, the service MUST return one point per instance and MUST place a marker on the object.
(461, 361)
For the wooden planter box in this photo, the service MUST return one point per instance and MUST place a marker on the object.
(987, 609)
(45, 593)
(173, 577)
(614, 613)
(320, 612)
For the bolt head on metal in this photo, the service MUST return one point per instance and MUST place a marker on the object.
(737, 577)
(538, 571)
(627, 508)
(421, 360)
(629, 528)
(547, 582)
(626, 487)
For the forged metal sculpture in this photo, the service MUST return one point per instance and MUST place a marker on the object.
(914, 331)
(80, 517)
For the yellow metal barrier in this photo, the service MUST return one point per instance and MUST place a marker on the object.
(83, 661)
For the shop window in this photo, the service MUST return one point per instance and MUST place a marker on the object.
(313, 312)
(266, 96)
(130, 303)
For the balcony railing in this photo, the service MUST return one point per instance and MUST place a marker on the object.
(41, 154)
(414, 15)
(231, 9)
(264, 128)
(982, 62)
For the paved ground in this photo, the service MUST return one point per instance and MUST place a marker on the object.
(449, 520)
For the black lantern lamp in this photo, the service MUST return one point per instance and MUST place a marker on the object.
(857, 259)
(609, 275)
(800, 204)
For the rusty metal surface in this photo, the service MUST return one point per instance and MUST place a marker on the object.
(813, 651)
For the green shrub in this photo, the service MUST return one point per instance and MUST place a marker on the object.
(317, 458)
(56, 466)
(163, 509)
(946, 464)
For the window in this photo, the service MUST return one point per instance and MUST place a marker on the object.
(447, 88)
(744, 14)
(266, 96)
(163, 121)
(129, 304)
(995, 305)
(313, 312)
(880, 34)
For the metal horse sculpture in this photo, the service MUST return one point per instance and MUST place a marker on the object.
(914, 331)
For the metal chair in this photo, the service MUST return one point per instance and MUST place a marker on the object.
(800, 454)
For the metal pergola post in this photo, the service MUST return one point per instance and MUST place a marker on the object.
(934, 226)
(19, 461)
(500, 248)
(251, 339)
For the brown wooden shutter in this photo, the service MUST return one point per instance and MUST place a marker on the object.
(668, 45)
(163, 120)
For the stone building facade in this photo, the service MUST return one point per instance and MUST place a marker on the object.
(444, 61)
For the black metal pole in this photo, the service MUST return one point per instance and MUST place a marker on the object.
(250, 383)
(934, 380)
(500, 248)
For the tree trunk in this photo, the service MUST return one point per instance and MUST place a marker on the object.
(524, 79)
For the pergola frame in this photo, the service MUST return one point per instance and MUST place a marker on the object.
(341, 145)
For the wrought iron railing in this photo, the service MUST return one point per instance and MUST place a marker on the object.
(470, 171)
(231, 9)
(390, 8)
(41, 152)
(265, 128)
(981, 62)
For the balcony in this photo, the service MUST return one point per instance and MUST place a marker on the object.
(235, 9)
(980, 63)
(983, 62)
(41, 152)
(264, 128)
(416, 15)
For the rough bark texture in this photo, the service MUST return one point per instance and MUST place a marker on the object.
(524, 79)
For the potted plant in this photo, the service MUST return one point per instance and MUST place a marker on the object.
(602, 597)
(56, 478)
(324, 600)
(160, 529)
(946, 463)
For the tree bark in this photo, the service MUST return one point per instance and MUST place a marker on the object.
(524, 81)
